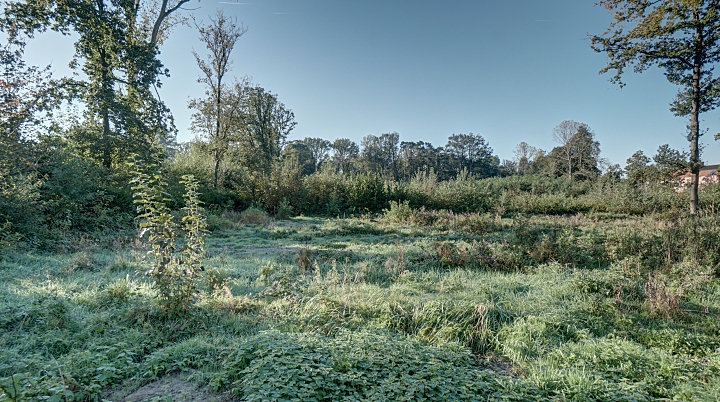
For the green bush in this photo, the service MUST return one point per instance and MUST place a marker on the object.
(254, 216)
(399, 212)
(284, 210)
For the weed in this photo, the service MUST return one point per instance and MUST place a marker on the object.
(82, 261)
(304, 259)
(173, 276)
(217, 279)
(266, 271)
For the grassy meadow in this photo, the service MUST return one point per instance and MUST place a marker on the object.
(406, 305)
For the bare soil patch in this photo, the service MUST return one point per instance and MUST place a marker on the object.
(171, 388)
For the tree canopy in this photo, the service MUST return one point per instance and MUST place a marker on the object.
(680, 36)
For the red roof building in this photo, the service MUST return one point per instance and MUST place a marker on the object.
(708, 174)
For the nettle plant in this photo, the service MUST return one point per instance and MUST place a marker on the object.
(173, 273)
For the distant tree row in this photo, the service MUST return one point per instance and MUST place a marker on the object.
(577, 156)
(392, 159)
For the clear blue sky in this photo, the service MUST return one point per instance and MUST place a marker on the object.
(508, 70)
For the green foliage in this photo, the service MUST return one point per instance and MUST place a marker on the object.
(472, 153)
(215, 117)
(349, 366)
(679, 38)
(254, 216)
(364, 193)
(122, 115)
(399, 212)
(284, 210)
(61, 197)
(173, 276)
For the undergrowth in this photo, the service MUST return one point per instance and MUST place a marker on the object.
(413, 305)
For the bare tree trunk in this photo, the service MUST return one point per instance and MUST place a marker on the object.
(695, 122)
(105, 113)
(569, 156)
(218, 108)
(217, 171)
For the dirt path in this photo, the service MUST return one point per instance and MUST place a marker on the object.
(171, 388)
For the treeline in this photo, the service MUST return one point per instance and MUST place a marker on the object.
(67, 175)
(332, 193)
(318, 176)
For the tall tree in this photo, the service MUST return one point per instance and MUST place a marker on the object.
(320, 150)
(669, 162)
(637, 169)
(524, 155)
(577, 157)
(389, 144)
(472, 152)
(219, 38)
(345, 152)
(586, 154)
(563, 134)
(301, 155)
(680, 36)
(416, 156)
(24, 91)
(265, 125)
(380, 154)
(119, 59)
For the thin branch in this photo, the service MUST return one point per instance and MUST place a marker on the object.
(62, 377)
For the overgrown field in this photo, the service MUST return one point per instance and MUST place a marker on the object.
(409, 305)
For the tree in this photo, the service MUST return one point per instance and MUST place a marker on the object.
(637, 169)
(524, 156)
(578, 152)
(669, 162)
(471, 152)
(320, 150)
(158, 17)
(219, 37)
(345, 152)
(119, 58)
(264, 126)
(24, 91)
(301, 155)
(563, 134)
(389, 145)
(380, 154)
(508, 168)
(586, 154)
(416, 156)
(680, 36)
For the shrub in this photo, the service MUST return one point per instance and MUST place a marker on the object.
(399, 212)
(304, 259)
(254, 216)
(284, 210)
